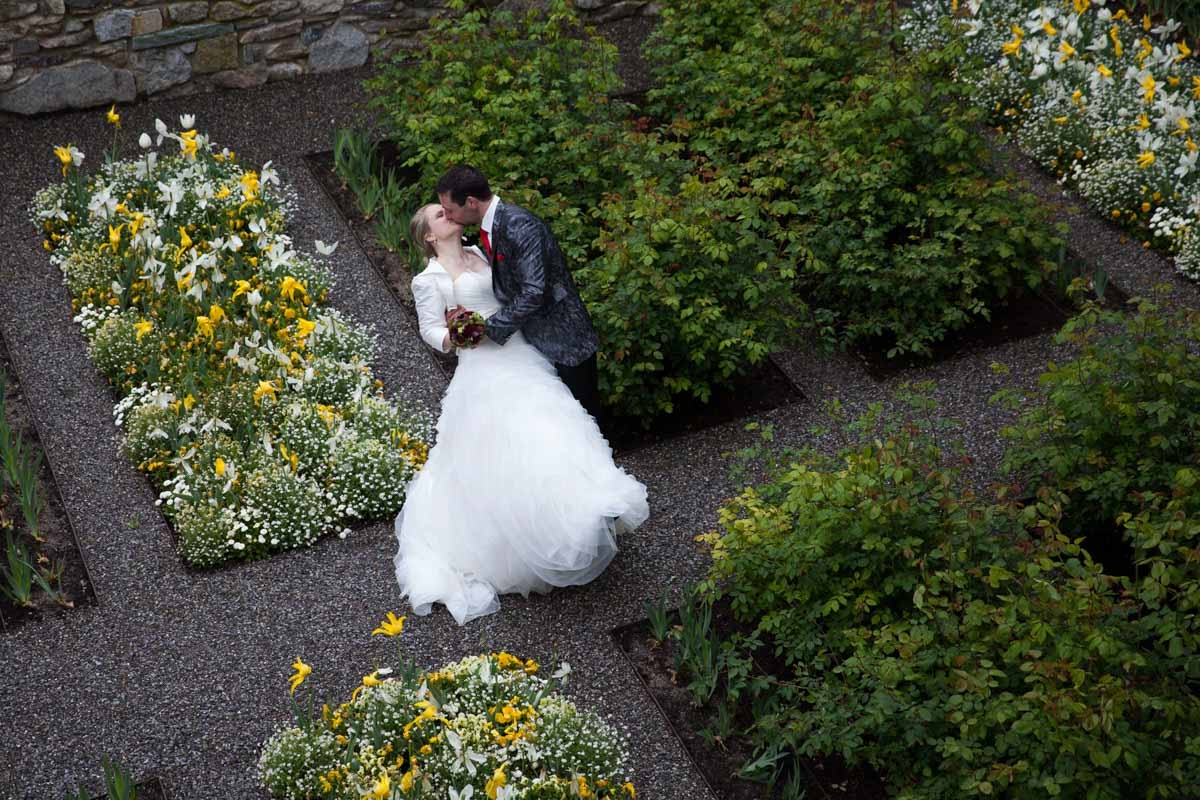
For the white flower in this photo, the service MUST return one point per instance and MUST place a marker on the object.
(325, 249)
(467, 793)
(187, 121)
(171, 194)
(161, 127)
(144, 141)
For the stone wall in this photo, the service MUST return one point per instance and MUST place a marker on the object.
(57, 54)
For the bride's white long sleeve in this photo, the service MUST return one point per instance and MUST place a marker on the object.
(431, 310)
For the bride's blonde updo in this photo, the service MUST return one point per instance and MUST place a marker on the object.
(418, 229)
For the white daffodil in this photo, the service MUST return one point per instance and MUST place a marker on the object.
(187, 121)
(171, 195)
(467, 793)
(103, 205)
(161, 128)
(325, 249)
(560, 674)
(204, 192)
(144, 169)
(1187, 164)
(464, 757)
(268, 174)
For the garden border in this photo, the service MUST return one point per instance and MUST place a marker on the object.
(91, 592)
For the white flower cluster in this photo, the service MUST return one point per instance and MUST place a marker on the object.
(486, 726)
(1106, 102)
(242, 395)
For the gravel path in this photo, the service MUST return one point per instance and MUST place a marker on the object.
(181, 673)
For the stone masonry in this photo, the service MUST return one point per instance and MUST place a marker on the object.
(59, 54)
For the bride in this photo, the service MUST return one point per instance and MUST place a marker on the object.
(520, 492)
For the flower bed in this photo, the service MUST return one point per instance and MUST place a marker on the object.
(485, 726)
(251, 407)
(1105, 102)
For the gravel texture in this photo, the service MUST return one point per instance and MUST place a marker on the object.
(182, 673)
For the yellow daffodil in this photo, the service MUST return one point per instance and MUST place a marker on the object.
(205, 327)
(265, 389)
(1142, 123)
(216, 313)
(64, 155)
(289, 287)
(142, 328)
(1104, 71)
(304, 328)
(250, 185)
(497, 780)
(189, 402)
(392, 626)
(1012, 48)
(1060, 120)
(135, 223)
(113, 117)
(382, 789)
(1191, 145)
(1183, 126)
(1149, 87)
(222, 193)
(1114, 33)
(1077, 97)
(1120, 15)
(185, 241)
(1146, 22)
(628, 788)
(1145, 159)
(372, 679)
(1067, 51)
(302, 671)
(1184, 50)
(406, 780)
(1082, 6)
(188, 143)
(219, 467)
(114, 238)
(531, 667)
(1049, 29)
(242, 288)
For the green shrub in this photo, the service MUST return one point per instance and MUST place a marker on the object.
(959, 646)
(525, 98)
(869, 161)
(1117, 421)
(686, 293)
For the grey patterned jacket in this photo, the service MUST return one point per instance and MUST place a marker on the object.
(531, 280)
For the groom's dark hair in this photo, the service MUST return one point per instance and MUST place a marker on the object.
(463, 181)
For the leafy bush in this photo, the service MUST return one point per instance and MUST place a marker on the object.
(1116, 422)
(526, 98)
(686, 291)
(870, 162)
(961, 647)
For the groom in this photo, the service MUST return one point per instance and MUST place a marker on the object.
(530, 279)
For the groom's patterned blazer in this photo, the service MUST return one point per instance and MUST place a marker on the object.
(531, 280)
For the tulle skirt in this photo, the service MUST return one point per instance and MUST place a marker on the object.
(520, 493)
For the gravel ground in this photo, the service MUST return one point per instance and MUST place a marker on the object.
(182, 673)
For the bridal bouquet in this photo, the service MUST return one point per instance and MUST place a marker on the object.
(467, 328)
(487, 726)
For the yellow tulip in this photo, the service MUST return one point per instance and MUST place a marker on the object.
(219, 467)
(383, 788)
(392, 626)
(497, 780)
(302, 671)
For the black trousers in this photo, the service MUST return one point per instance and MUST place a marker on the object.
(583, 382)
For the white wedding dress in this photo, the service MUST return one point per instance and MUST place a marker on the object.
(520, 492)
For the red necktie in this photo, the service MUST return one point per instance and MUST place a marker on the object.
(487, 245)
